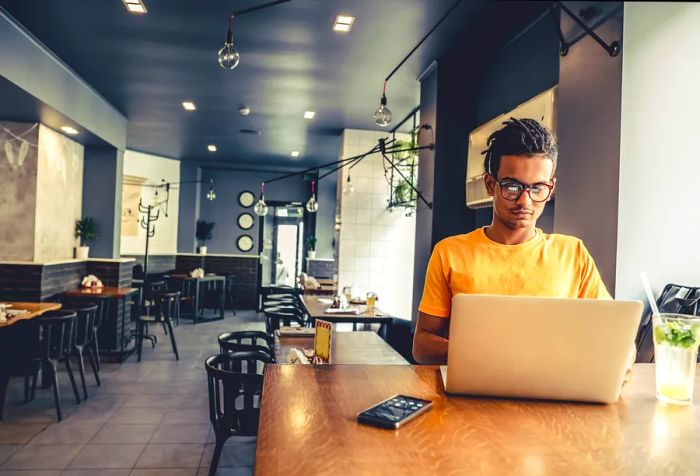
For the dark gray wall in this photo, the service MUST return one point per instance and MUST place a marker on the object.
(325, 225)
(25, 62)
(589, 141)
(188, 206)
(225, 209)
(102, 198)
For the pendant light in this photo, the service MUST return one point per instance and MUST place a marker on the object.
(261, 206)
(211, 194)
(312, 204)
(228, 56)
(349, 188)
(382, 116)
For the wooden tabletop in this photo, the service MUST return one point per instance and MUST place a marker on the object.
(35, 309)
(105, 292)
(317, 310)
(346, 348)
(308, 427)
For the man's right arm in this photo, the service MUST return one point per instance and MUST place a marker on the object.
(429, 342)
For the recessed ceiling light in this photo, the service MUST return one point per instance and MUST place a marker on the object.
(244, 110)
(189, 105)
(69, 130)
(295, 153)
(211, 148)
(343, 23)
(135, 6)
(309, 114)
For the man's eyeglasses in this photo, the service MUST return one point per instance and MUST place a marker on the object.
(511, 190)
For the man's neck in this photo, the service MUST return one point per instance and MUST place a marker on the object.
(500, 233)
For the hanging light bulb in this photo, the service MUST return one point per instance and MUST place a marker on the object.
(382, 116)
(312, 204)
(261, 207)
(228, 56)
(211, 194)
(349, 187)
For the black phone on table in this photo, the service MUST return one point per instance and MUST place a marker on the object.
(394, 411)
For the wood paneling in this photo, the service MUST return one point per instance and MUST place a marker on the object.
(308, 426)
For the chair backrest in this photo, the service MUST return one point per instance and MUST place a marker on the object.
(57, 334)
(235, 388)
(167, 305)
(274, 320)
(86, 312)
(247, 341)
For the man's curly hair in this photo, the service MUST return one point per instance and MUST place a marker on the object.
(526, 137)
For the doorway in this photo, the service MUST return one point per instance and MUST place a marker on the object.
(281, 244)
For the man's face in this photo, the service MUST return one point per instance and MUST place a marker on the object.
(528, 170)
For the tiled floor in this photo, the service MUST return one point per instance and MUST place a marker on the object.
(149, 418)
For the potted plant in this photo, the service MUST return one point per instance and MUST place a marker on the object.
(311, 247)
(86, 231)
(203, 234)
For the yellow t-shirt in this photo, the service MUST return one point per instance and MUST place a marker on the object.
(547, 265)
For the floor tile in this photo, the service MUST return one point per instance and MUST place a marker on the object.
(235, 453)
(149, 401)
(170, 456)
(52, 457)
(8, 450)
(19, 434)
(92, 472)
(164, 472)
(107, 456)
(138, 415)
(30, 472)
(187, 415)
(114, 433)
(240, 471)
(65, 433)
(181, 433)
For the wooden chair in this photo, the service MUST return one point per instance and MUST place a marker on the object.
(85, 319)
(166, 308)
(247, 341)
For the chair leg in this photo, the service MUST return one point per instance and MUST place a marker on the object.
(96, 348)
(217, 455)
(69, 369)
(35, 378)
(4, 380)
(172, 340)
(56, 397)
(27, 388)
(139, 339)
(94, 366)
(165, 328)
(81, 367)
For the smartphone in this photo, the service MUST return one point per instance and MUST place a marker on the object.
(394, 411)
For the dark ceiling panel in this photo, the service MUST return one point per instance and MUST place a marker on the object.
(291, 61)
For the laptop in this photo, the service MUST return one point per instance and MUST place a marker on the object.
(540, 348)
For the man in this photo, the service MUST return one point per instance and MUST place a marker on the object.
(511, 256)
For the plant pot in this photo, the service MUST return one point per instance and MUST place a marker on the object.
(311, 254)
(82, 252)
(202, 250)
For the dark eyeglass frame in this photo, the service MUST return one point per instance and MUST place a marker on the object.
(523, 187)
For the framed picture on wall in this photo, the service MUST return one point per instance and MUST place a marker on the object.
(245, 243)
(246, 199)
(246, 221)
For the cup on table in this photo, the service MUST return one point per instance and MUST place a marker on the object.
(347, 292)
(676, 339)
(371, 301)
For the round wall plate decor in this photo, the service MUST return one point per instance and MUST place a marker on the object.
(245, 243)
(246, 221)
(246, 199)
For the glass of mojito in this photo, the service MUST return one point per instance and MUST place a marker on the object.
(676, 339)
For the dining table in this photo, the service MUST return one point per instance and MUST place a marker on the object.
(191, 291)
(316, 308)
(309, 411)
(361, 347)
(114, 333)
(33, 309)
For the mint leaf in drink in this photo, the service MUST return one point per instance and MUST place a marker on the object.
(677, 334)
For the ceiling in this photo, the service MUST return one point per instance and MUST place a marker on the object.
(291, 61)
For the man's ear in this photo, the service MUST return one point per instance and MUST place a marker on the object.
(490, 184)
(554, 182)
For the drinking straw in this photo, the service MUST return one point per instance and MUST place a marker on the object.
(650, 295)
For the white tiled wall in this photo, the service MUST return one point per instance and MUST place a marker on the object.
(376, 245)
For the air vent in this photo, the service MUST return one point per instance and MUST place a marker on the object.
(250, 131)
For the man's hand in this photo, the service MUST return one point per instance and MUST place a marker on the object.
(429, 343)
